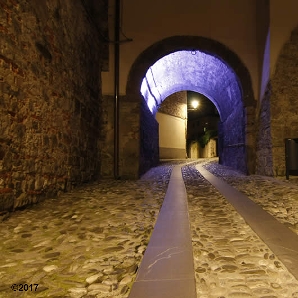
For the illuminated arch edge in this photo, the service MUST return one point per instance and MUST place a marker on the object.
(172, 44)
(191, 70)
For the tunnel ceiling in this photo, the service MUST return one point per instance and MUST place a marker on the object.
(196, 71)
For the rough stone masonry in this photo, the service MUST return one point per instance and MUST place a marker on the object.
(51, 57)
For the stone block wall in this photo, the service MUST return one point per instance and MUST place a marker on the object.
(175, 105)
(196, 151)
(138, 138)
(209, 150)
(283, 102)
(129, 138)
(264, 162)
(107, 137)
(231, 136)
(51, 57)
(250, 135)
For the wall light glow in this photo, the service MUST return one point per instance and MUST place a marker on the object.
(195, 103)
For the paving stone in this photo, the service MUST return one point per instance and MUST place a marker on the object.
(50, 268)
(77, 292)
(93, 278)
(113, 249)
(101, 287)
(126, 280)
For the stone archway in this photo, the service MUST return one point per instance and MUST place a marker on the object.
(236, 151)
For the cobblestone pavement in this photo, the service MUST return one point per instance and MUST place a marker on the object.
(230, 259)
(278, 197)
(89, 243)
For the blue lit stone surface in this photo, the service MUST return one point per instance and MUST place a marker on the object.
(196, 71)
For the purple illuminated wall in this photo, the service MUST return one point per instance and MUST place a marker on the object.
(206, 74)
(192, 70)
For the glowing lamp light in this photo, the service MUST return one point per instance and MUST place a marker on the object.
(195, 104)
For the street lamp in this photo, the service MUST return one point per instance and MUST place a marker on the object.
(195, 104)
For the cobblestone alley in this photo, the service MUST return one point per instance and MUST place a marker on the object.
(90, 242)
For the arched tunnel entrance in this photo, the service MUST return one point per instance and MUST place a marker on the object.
(208, 75)
(207, 67)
